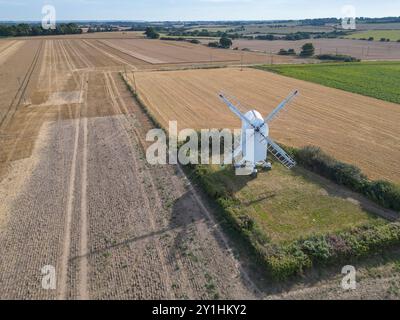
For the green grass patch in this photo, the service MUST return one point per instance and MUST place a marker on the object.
(393, 35)
(285, 205)
(374, 79)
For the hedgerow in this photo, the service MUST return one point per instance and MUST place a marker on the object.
(359, 242)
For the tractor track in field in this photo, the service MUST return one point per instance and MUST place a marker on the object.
(110, 55)
(15, 103)
(9, 46)
(113, 95)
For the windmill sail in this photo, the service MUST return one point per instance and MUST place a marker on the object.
(274, 113)
(234, 109)
(278, 152)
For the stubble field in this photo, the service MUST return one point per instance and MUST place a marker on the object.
(77, 193)
(172, 52)
(353, 128)
(365, 50)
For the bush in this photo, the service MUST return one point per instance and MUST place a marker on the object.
(172, 39)
(269, 37)
(285, 265)
(383, 192)
(317, 248)
(213, 44)
(288, 52)
(225, 42)
(337, 57)
(151, 33)
(307, 50)
(294, 258)
(195, 41)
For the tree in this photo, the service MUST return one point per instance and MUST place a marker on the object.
(151, 33)
(213, 44)
(307, 50)
(225, 42)
(282, 52)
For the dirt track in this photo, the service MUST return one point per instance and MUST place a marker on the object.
(353, 128)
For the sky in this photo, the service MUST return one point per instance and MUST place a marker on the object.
(184, 10)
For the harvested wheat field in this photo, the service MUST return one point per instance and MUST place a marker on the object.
(78, 195)
(353, 128)
(365, 50)
(167, 52)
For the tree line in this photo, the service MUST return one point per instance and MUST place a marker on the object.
(23, 30)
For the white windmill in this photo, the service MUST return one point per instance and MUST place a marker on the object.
(255, 141)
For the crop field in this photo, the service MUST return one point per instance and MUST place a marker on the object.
(351, 127)
(378, 26)
(166, 52)
(285, 29)
(393, 35)
(375, 79)
(365, 50)
(78, 195)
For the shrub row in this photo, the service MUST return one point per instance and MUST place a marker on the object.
(314, 159)
(337, 57)
(195, 41)
(295, 257)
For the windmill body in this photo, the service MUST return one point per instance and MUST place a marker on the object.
(255, 141)
(258, 153)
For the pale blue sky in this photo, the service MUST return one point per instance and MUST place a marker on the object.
(194, 9)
